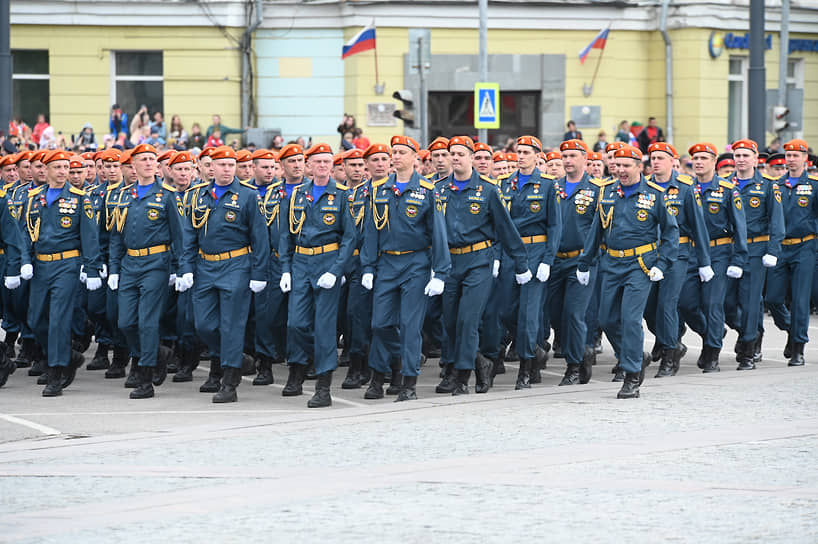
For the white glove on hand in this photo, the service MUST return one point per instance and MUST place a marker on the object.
(83, 275)
(367, 280)
(543, 272)
(12, 282)
(113, 282)
(257, 286)
(656, 274)
(706, 273)
(171, 280)
(26, 271)
(734, 272)
(523, 278)
(104, 272)
(584, 278)
(285, 284)
(187, 280)
(93, 283)
(495, 268)
(326, 281)
(434, 287)
(180, 285)
(769, 260)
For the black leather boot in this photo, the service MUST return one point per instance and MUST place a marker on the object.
(757, 348)
(189, 361)
(557, 347)
(461, 386)
(375, 389)
(160, 371)
(100, 360)
(788, 347)
(353, 377)
(571, 376)
(265, 371)
(797, 358)
(118, 363)
(586, 369)
(511, 353)
(54, 382)
(447, 384)
(701, 362)
(132, 381)
(408, 391)
(711, 364)
(678, 353)
(27, 353)
(214, 377)
(295, 380)
(498, 366)
(321, 398)
(523, 377)
(482, 374)
(630, 386)
(744, 354)
(396, 380)
(656, 352)
(366, 372)
(70, 372)
(145, 388)
(8, 344)
(619, 374)
(231, 378)
(7, 368)
(39, 364)
(666, 365)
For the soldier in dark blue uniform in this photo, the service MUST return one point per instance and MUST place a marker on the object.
(702, 307)
(12, 255)
(641, 239)
(764, 217)
(62, 236)
(227, 251)
(662, 310)
(404, 239)
(315, 249)
(796, 267)
(148, 233)
(475, 216)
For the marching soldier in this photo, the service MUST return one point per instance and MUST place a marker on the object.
(553, 164)
(244, 165)
(12, 254)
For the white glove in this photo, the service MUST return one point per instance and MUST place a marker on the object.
(495, 268)
(285, 284)
(523, 278)
(706, 273)
(171, 280)
(656, 274)
(734, 272)
(83, 275)
(326, 281)
(104, 272)
(113, 282)
(543, 272)
(180, 285)
(343, 280)
(26, 271)
(769, 260)
(257, 286)
(93, 283)
(434, 287)
(367, 280)
(187, 280)
(12, 282)
(584, 278)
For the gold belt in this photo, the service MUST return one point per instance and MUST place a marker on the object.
(58, 256)
(636, 251)
(568, 254)
(764, 238)
(684, 240)
(720, 242)
(794, 241)
(468, 249)
(153, 250)
(317, 250)
(356, 252)
(224, 256)
(535, 239)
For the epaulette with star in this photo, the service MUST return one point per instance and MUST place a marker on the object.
(248, 185)
(76, 191)
(684, 178)
(768, 176)
(168, 187)
(546, 176)
(726, 184)
(427, 185)
(813, 178)
(601, 182)
(36, 190)
(657, 187)
(341, 186)
(379, 182)
(488, 179)
(200, 185)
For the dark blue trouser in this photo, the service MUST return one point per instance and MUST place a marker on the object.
(271, 315)
(15, 309)
(491, 325)
(794, 271)
(702, 306)
(464, 298)
(185, 325)
(743, 304)
(143, 289)
(662, 310)
(358, 313)
(112, 316)
(568, 304)
(96, 313)
(53, 291)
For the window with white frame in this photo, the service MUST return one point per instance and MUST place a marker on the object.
(137, 80)
(737, 99)
(30, 84)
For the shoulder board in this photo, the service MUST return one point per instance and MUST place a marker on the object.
(36, 190)
(379, 182)
(504, 176)
(684, 178)
(76, 191)
(600, 182)
(276, 184)
(427, 184)
(649, 177)
(341, 186)
(2, 193)
(199, 185)
(248, 185)
(546, 176)
(657, 187)
(168, 187)
(726, 184)
(488, 179)
(429, 176)
(114, 185)
(813, 178)
(7, 186)
(769, 177)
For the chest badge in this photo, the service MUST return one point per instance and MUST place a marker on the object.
(411, 211)
(153, 214)
(713, 207)
(329, 218)
(65, 222)
(641, 214)
(755, 202)
(534, 206)
(230, 216)
(474, 208)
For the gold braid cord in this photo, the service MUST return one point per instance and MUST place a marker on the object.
(606, 218)
(121, 214)
(271, 215)
(33, 230)
(110, 216)
(201, 219)
(381, 220)
(296, 224)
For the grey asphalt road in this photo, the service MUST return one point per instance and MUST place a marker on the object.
(728, 457)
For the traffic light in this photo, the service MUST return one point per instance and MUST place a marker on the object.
(407, 113)
(780, 121)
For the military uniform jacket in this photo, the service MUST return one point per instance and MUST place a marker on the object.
(229, 223)
(19, 198)
(153, 220)
(408, 221)
(800, 205)
(724, 216)
(577, 210)
(622, 222)
(314, 224)
(68, 224)
(477, 214)
(11, 238)
(535, 210)
(359, 202)
(681, 201)
(270, 205)
(763, 214)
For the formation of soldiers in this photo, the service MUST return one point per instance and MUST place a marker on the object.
(456, 251)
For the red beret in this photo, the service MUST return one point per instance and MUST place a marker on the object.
(98, 155)
(180, 157)
(23, 156)
(776, 159)
(6, 160)
(39, 155)
(374, 149)
(745, 144)
(242, 155)
(290, 150)
(223, 152)
(56, 155)
(531, 141)
(88, 155)
(424, 154)
(796, 145)
(338, 159)
(499, 156)
(726, 161)
(595, 156)
(318, 149)
(576, 145)
(76, 161)
(411, 143)
(613, 146)
(166, 155)
(439, 143)
(207, 152)
(703, 147)
(629, 152)
(664, 147)
(511, 157)
(143, 148)
(126, 156)
(461, 140)
(480, 146)
(551, 155)
(354, 154)
(264, 154)
(111, 155)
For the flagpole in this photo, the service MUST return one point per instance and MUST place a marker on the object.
(588, 89)
(378, 87)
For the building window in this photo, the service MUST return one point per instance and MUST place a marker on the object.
(30, 81)
(737, 99)
(795, 74)
(136, 80)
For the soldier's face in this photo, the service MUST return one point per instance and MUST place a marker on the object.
(526, 157)
(206, 168)
(57, 171)
(321, 165)
(776, 170)
(354, 170)
(628, 171)
(128, 173)
(482, 162)
(573, 161)
(164, 170)
(76, 177)
(244, 170)
(293, 167)
(704, 164)
(745, 160)
(264, 170)
(24, 170)
(442, 161)
(10, 174)
(796, 161)
(338, 173)
(144, 165)
(554, 168)
(182, 175)
(38, 171)
(428, 167)
(499, 168)
(224, 170)
(540, 164)
(461, 159)
(596, 168)
(113, 171)
(378, 165)
(726, 171)
(403, 158)
(90, 171)
(662, 164)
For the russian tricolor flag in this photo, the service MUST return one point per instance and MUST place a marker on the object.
(362, 41)
(597, 43)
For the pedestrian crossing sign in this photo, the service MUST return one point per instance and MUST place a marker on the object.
(486, 105)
